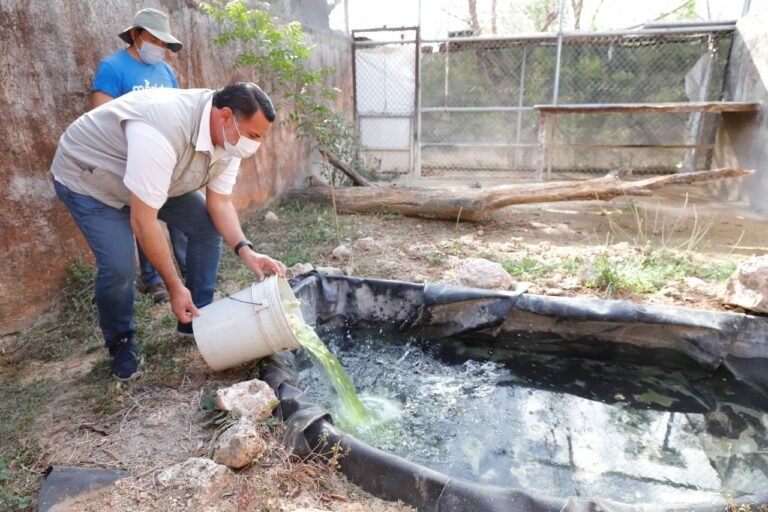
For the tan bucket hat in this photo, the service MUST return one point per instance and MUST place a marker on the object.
(156, 23)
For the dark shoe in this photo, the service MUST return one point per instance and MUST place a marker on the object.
(159, 293)
(125, 356)
(184, 330)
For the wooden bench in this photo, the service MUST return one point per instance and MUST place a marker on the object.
(547, 129)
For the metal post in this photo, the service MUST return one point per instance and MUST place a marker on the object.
(416, 101)
(346, 17)
(520, 99)
(556, 87)
(417, 156)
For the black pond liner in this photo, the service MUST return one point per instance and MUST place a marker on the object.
(734, 342)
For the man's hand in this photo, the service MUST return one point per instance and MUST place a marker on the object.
(261, 264)
(182, 305)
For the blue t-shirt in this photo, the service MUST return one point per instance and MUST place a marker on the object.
(120, 73)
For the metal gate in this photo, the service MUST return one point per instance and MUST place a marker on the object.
(385, 87)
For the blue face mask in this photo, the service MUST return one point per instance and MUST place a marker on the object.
(151, 53)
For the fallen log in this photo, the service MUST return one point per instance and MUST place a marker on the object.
(478, 204)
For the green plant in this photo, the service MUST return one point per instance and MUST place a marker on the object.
(527, 266)
(19, 454)
(279, 54)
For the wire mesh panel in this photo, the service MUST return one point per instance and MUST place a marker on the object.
(385, 99)
(478, 97)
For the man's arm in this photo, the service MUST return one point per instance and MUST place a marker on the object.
(224, 217)
(151, 237)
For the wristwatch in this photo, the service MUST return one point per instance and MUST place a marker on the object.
(240, 245)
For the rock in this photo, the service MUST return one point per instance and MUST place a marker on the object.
(271, 218)
(748, 286)
(330, 271)
(482, 273)
(366, 244)
(252, 399)
(480, 232)
(694, 283)
(341, 253)
(298, 269)
(203, 476)
(670, 291)
(555, 292)
(237, 446)
(523, 287)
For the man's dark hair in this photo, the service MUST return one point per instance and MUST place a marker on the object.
(245, 99)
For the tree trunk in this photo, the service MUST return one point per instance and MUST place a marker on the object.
(478, 204)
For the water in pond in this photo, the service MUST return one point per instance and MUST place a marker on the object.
(555, 425)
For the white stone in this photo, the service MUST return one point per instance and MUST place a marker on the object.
(203, 476)
(298, 269)
(271, 218)
(670, 291)
(555, 292)
(694, 283)
(748, 286)
(482, 273)
(237, 446)
(341, 253)
(367, 244)
(252, 399)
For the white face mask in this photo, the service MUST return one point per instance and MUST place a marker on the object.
(151, 53)
(244, 148)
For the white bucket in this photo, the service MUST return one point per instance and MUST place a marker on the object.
(248, 325)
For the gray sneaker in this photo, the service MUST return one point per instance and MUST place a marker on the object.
(125, 357)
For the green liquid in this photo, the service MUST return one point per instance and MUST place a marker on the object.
(351, 409)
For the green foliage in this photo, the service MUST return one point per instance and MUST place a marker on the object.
(650, 271)
(19, 406)
(279, 53)
(527, 266)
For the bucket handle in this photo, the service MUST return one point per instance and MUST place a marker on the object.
(257, 306)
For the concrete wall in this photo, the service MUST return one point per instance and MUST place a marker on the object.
(743, 138)
(49, 52)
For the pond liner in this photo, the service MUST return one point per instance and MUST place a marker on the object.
(65, 482)
(736, 342)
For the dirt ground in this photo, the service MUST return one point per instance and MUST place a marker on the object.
(85, 419)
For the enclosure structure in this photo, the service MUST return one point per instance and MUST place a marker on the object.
(503, 326)
(470, 103)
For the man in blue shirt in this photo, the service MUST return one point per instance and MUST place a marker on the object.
(138, 67)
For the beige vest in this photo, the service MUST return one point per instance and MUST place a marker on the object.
(91, 155)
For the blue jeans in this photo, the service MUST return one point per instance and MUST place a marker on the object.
(109, 235)
(149, 276)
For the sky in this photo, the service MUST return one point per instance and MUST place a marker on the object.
(440, 16)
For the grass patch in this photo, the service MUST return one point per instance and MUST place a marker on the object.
(75, 321)
(530, 267)
(19, 453)
(303, 233)
(651, 271)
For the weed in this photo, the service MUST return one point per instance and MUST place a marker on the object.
(74, 322)
(19, 455)
(716, 271)
(527, 266)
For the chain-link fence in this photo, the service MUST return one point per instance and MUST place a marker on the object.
(478, 96)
